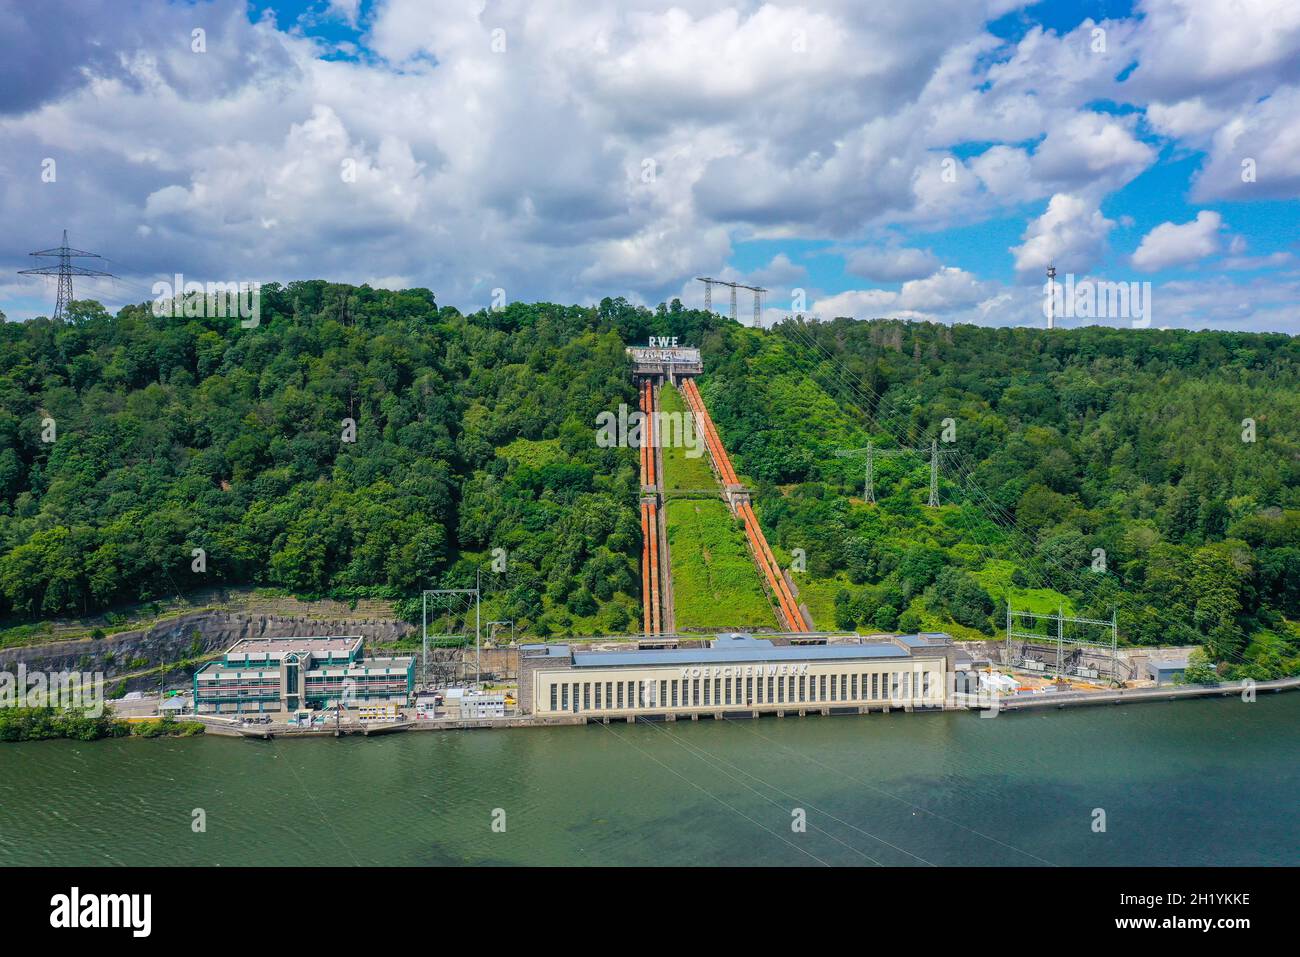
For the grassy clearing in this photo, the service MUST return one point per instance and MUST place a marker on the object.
(995, 577)
(819, 595)
(680, 470)
(1272, 654)
(715, 583)
(534, 453)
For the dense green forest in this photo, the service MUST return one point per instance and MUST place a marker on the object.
(475, 433)
(472, 434)
(1099, 470)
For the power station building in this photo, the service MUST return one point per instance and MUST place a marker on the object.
(736, 675)
(289, 674)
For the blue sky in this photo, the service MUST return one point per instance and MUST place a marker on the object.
(924, 161)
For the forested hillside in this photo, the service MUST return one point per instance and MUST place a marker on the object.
(478, 432)
(471, 434)
(1094, 469)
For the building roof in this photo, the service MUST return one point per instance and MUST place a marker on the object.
(740, 641)
(545, 651)
(759, 651)
(924, 639)
(310, 644)
(1167, 664)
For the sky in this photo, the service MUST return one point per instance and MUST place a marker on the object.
(923, 160)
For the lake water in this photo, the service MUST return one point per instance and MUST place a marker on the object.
(1183, 783)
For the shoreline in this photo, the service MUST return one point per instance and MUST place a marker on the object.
(1055, 700)
(1066, 699)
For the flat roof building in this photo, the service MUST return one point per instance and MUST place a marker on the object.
(1165, 671)
(467, 704)
(735, 674)
(288, 674)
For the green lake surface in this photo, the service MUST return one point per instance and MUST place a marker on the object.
(1183, 783)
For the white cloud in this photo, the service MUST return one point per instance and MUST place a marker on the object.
(1173, 244)
(891, 264)
(779, 272)
(1071, 233)
(1189, 46)
(948, 289)
(346, 10)
(1277, 260)
(862, 304)
(1256, 154)
(1091, 151)
(1187, 119)
(525, 168)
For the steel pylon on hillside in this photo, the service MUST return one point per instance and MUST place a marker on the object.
(65, 270)
(872, 453)
(758, 292)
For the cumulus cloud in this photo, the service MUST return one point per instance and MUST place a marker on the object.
(618, 146)
(1173, 244)
(779, 272)
(891, 264)
(947, 290)
(1256, 154)
(1094, 150)
(1071, 233)
(1187, 46)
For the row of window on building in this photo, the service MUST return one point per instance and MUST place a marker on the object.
(899, 686)
(333, 684)
(244, 687)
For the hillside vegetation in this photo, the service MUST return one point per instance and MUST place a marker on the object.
(1094, 469)
(471, 434)
(477, 433)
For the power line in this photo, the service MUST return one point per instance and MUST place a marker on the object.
(65, 270)
(758, 292)
(869, 483)
(1023, 547)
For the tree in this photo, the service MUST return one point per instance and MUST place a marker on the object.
(1199, 670)
(886, 618)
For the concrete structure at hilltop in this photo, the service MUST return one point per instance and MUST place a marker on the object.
(665, 364)
(737, 675)
(289, 674)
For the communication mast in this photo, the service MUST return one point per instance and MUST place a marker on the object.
(1051, 295)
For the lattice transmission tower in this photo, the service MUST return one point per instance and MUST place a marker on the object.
(65, 270)
(758, 292)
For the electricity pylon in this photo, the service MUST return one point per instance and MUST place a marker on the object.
(935, 452)
(65, 270)
(756, 290)
(871, 452)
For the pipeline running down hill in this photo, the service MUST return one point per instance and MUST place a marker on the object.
(741, 507)
(652, 613)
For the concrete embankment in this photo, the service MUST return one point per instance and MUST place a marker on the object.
(135, 657)
(222, 727)
(1070, 699)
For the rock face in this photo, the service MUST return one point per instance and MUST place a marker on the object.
(186, 637)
